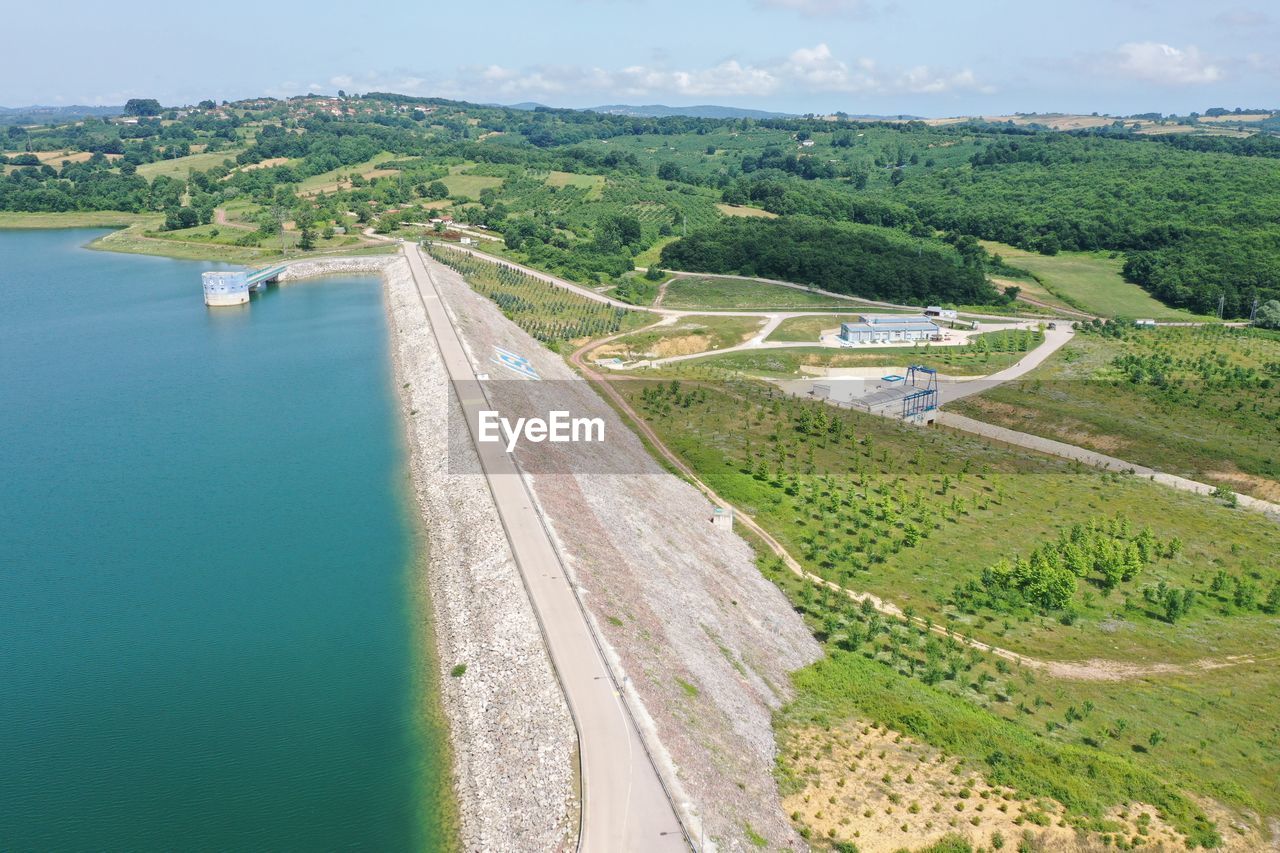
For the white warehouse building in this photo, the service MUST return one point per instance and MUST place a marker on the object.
(887, 328)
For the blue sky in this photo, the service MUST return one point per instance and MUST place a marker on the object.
(859, 56)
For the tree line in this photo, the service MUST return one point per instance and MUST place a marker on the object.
(860, 260)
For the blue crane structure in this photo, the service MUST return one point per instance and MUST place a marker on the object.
(925, 397)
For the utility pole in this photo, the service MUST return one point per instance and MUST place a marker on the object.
(1253, 312)
(1222, 302)
(278, 210)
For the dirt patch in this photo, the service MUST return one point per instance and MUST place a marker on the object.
(265, 164)
(56, 158)
(1067, 430)
(739, 210)
(883, 792)
(1247, 484)
(368, 175)
(991, 407)
(605, 351)
(1240, 117)
(684, 345)
(1109, 444)
(1110, 670)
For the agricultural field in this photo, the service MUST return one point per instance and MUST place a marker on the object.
(1197, 402)
(686, 336)
(337, 179)
(548, 313)
(1142, 606)
(593, 184)
(180, 167)
(699, 293)
(1087, 281)
(461, 181)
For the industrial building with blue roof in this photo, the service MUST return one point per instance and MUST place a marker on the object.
(887, 328)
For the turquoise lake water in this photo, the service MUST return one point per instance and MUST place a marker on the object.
(207, 619)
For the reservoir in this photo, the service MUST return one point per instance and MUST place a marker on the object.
(209, 632)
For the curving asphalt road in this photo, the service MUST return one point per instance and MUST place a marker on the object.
(624, 804)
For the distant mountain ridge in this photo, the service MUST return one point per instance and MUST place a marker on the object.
(696, 111)
(38, 114)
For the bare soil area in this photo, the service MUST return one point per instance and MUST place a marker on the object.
(884, 792)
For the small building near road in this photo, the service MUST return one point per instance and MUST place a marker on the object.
(1145, 324)
(888, 328)
(940, 312)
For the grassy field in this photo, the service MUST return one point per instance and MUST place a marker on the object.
(79, 219)
(593, 184)
(1089, 281)
(652, 255)
(809, 329)
(687, 336)
(197, 244)
(1200, 403)
(1033, 289)
(179, 167)
(720, 294)
(462, 184)
(329, 181)
(908, 514)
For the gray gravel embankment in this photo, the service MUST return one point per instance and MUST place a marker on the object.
(704, 641)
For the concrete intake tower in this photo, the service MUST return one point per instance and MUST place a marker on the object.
(225, 288)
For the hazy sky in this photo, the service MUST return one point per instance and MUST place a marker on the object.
(859, 56)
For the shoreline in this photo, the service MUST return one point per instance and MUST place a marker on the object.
(125, 236)
(509, 742)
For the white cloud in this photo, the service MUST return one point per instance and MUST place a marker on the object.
(813, 69)
(816, 68)
(922, 80)
(806, 69)
(1161, 63)
(821, 8)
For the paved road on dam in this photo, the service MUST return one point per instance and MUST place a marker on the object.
(624, 806)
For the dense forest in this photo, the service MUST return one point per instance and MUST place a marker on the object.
(1194, 226)
(1196, 216)
(866, 261)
